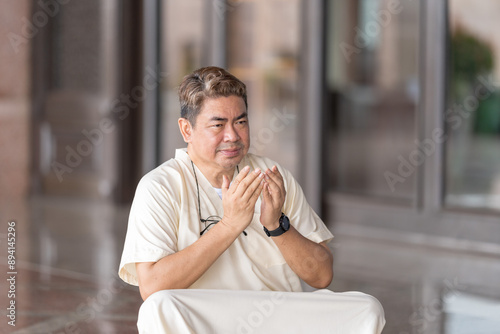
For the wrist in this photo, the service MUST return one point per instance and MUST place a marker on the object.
(272, 223)
(272, 226)
(283, 227)
(231, 228)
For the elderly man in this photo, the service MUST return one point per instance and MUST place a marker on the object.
(219, 239)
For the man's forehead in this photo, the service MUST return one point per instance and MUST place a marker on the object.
(219, 116)
(232, 108)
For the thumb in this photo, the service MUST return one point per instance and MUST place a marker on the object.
(267, 200)
(225, 184)
(266, 194)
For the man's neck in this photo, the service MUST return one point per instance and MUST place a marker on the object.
(215, 176)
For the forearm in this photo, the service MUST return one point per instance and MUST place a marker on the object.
(312, 262)
(180, 270)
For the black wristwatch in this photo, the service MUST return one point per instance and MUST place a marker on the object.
(284, 226)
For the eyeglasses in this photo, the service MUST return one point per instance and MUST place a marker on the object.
(210, 219)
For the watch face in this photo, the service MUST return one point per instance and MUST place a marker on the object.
(285, 222)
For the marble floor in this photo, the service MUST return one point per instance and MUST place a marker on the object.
(67, 255)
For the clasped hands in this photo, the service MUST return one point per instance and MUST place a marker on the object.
(239, 198)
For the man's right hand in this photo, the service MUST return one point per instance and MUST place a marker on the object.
(238, 200)
(181, 269)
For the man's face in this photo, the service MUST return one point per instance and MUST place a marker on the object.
(220, 138)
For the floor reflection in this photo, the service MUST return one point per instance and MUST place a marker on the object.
(468, 313)
(68, 254)
(423, 289)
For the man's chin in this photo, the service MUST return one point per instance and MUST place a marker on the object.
(228, 162)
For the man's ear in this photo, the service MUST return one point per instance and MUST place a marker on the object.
(186, 129)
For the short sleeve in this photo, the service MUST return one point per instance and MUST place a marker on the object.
(152, 227)
(300, 213)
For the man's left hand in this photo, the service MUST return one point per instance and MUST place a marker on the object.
(273, 198)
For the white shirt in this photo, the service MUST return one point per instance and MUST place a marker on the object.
(218, 191)
(164, 219)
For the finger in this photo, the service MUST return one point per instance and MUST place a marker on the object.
(255, 185)
(272, 182)
(251, 182)
(266, 195)
(260, 188)
(247, 182)
(276, 194)
(241, 175)
(275, 176)
(269, 200)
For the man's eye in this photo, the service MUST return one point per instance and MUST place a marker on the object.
(217, 125)
(242, 122)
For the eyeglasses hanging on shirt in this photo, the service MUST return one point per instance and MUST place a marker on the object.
(212, 220)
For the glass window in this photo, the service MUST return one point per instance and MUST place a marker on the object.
(183, 34)
(472, 115)
(263, 45)
(372, 93)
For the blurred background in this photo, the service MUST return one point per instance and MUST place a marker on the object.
(386, 111)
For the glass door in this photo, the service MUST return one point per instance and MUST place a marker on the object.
(372, 99)
(472, 113)
(412, 117)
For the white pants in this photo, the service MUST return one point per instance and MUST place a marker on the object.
(246, 312)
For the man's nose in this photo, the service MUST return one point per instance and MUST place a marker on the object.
(231, 134)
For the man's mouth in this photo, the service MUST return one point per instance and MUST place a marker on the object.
(230, 152)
